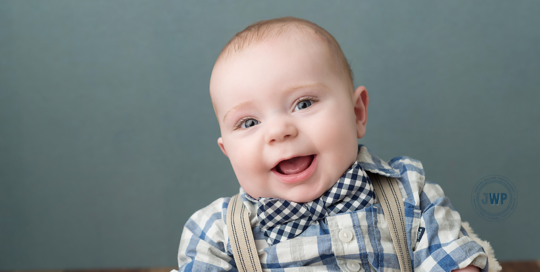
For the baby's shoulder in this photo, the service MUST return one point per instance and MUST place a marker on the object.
(414, 181)
(412, 177)
(205, 234)
(407, 164)
(213, 213)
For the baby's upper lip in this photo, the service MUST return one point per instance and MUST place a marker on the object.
(290, 157)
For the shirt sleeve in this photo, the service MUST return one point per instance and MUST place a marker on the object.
(444, 245)
(203, 246)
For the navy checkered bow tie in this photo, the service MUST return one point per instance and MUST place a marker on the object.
(282, 220)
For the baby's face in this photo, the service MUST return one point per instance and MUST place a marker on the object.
(289, 123)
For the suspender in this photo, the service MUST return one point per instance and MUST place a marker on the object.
(241, 237)
(386, 190)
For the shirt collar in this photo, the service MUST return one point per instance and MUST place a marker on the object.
(373, 164)
(366, 160)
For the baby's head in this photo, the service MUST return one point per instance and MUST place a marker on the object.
(287, 109)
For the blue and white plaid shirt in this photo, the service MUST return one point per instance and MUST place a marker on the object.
(351, 241)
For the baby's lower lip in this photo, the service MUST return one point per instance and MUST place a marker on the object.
(298, 176)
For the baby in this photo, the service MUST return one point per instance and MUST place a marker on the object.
(290, 118)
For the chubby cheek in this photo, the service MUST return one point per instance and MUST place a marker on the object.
(335, 136)
(248, 167)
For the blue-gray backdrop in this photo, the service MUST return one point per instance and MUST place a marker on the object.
(108, 136)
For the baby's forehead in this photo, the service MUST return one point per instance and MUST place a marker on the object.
(285, 43)
(228, 61)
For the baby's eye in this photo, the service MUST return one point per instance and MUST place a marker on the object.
(249, 123)
(304, 104)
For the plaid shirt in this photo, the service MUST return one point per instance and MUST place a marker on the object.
(353, 241)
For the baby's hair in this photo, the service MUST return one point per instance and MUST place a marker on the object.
(268, 29)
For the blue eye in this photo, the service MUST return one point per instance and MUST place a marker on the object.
(249, 123)
(304, 104)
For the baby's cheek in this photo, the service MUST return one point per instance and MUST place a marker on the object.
(244, 166)
(336, 131)
(337, 139)
(247, 163)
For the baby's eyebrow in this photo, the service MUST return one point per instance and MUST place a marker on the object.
(236, 107)
(303, 86)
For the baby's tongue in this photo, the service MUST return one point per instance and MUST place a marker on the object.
(295, 165)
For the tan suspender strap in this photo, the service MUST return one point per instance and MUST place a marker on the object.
(241, 237)
(388, 193)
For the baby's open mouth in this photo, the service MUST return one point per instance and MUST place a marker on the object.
(294, 165)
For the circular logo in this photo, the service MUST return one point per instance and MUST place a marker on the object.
(494, 197)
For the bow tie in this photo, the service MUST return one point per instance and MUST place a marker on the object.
(282, 220)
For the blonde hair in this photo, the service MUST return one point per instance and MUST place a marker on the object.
(268, 29)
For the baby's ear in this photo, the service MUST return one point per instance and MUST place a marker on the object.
(220, 143)
(361, 101)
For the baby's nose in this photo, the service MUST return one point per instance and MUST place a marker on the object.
(280, 129)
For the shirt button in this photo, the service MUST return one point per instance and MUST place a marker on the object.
(345, 235)
(353, 266)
